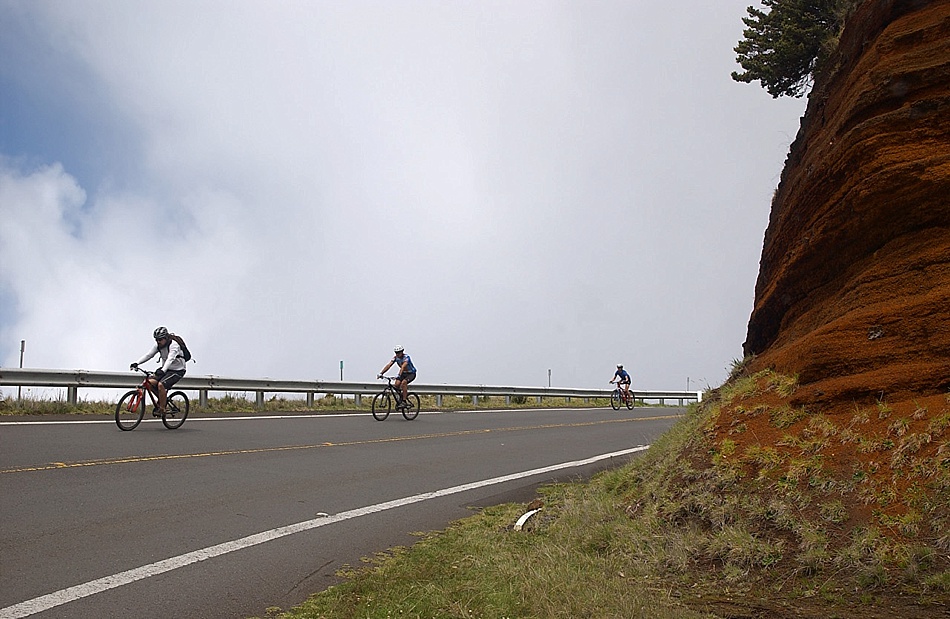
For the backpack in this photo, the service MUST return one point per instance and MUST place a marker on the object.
(184, 349)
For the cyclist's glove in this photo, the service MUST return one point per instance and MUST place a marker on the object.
(133, 366)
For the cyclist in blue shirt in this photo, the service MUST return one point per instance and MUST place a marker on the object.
(407, 371)
(623, 379)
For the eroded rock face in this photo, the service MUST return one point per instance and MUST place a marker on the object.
(853, 293)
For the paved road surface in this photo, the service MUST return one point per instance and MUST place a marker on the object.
(83, 503)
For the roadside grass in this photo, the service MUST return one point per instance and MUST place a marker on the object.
(575, 558)
(246, 403)
(30, 406)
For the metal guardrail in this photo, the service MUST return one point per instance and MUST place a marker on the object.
(73, 380)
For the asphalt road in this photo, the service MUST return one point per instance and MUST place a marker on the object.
(226, 517)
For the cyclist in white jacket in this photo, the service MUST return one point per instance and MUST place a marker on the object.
(171, 370)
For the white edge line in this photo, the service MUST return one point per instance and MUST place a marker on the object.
(70, 594)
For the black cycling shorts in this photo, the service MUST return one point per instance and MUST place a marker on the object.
(407, 376)
(169, 378)
(625, 381)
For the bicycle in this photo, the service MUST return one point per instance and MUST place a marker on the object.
(388, 398)
(620, 397)
(131, 407)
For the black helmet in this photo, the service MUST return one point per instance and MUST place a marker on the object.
(160, 333)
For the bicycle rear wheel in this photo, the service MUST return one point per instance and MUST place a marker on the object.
(176, 410)
(411, 411)
(130, 410)
(382, 405)
(616, 399)
(630, 402)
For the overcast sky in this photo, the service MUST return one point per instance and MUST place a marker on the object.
(504, 188)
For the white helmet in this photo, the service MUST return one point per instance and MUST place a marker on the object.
(398, 349)
(619, 366)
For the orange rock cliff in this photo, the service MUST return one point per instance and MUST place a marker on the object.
(853, 292)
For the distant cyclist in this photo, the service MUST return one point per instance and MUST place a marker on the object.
(407, 371)
(622, 377)
(171, 371)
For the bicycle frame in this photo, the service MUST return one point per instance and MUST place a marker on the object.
(146, 387)
(391, 388)
(621, 396)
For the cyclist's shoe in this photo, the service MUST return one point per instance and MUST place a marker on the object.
(156, 412)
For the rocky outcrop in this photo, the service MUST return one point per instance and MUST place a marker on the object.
(832, 443)
(853, 293)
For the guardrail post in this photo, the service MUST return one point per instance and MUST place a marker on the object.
(260, 400)
(72, 395)
(203, 398)
(309, 399)
(539, 399)
(507, 400)
(475, 400)
(358, 399)
(438, 401)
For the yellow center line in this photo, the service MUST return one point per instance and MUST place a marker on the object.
(394, 439)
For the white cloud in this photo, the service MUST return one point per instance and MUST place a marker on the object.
(502, 188)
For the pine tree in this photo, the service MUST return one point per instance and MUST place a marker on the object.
(784, 47)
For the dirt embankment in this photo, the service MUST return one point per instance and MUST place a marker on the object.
(853, 293)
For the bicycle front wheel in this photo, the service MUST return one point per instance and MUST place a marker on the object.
(176, 410)
(616, 399)
(411, 411)
(382, 405)
(130, 410)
